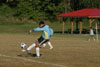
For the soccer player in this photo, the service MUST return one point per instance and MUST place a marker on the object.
(45, 37)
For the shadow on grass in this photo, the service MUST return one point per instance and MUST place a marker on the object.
(27, 55)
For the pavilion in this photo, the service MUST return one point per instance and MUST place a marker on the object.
(87, 12)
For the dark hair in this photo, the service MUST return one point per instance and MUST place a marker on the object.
(41, 22)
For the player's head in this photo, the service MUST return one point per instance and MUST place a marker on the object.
(41, 24)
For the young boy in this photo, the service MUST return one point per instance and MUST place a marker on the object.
(45, 37)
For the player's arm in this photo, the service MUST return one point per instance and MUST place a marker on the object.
(37, 29)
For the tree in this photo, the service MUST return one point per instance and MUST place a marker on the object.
(80, 4)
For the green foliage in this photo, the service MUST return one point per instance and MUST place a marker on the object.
(6, 11)
(54, 7)
(32, 9)
(80, 4)
(42, 9)
(24, 9)
(90, 3)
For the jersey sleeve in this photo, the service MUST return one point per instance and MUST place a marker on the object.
(51, 31)
(38, 29)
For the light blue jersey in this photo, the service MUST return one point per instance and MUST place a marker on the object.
(47, 31)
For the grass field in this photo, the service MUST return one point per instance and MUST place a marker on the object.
(20, 27)
(69, 51)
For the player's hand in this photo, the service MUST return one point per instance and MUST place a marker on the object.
(30, 31)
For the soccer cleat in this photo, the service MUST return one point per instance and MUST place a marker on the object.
(23, 50)
(51, 48)
(37, 56)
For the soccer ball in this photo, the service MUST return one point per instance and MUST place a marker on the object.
(23, 45)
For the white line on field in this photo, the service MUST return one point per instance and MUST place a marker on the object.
(58, 65)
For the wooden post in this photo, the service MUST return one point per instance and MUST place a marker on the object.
(96, 27)
(72, 27)
(63, 27)
(91, 21)
(80, 27)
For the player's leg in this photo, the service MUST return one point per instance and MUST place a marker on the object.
(32, 46)
(37, 50)
(40, 41)
(29, 48)
(50, 45)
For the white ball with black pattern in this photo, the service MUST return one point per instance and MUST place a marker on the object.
(23, 45)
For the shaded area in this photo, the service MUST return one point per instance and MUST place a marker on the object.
(27, 55)
(77, 31)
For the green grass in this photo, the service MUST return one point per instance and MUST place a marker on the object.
(13, 28)
(19, 28)
(24, 27)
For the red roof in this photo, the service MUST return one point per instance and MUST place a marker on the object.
(88, 12)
